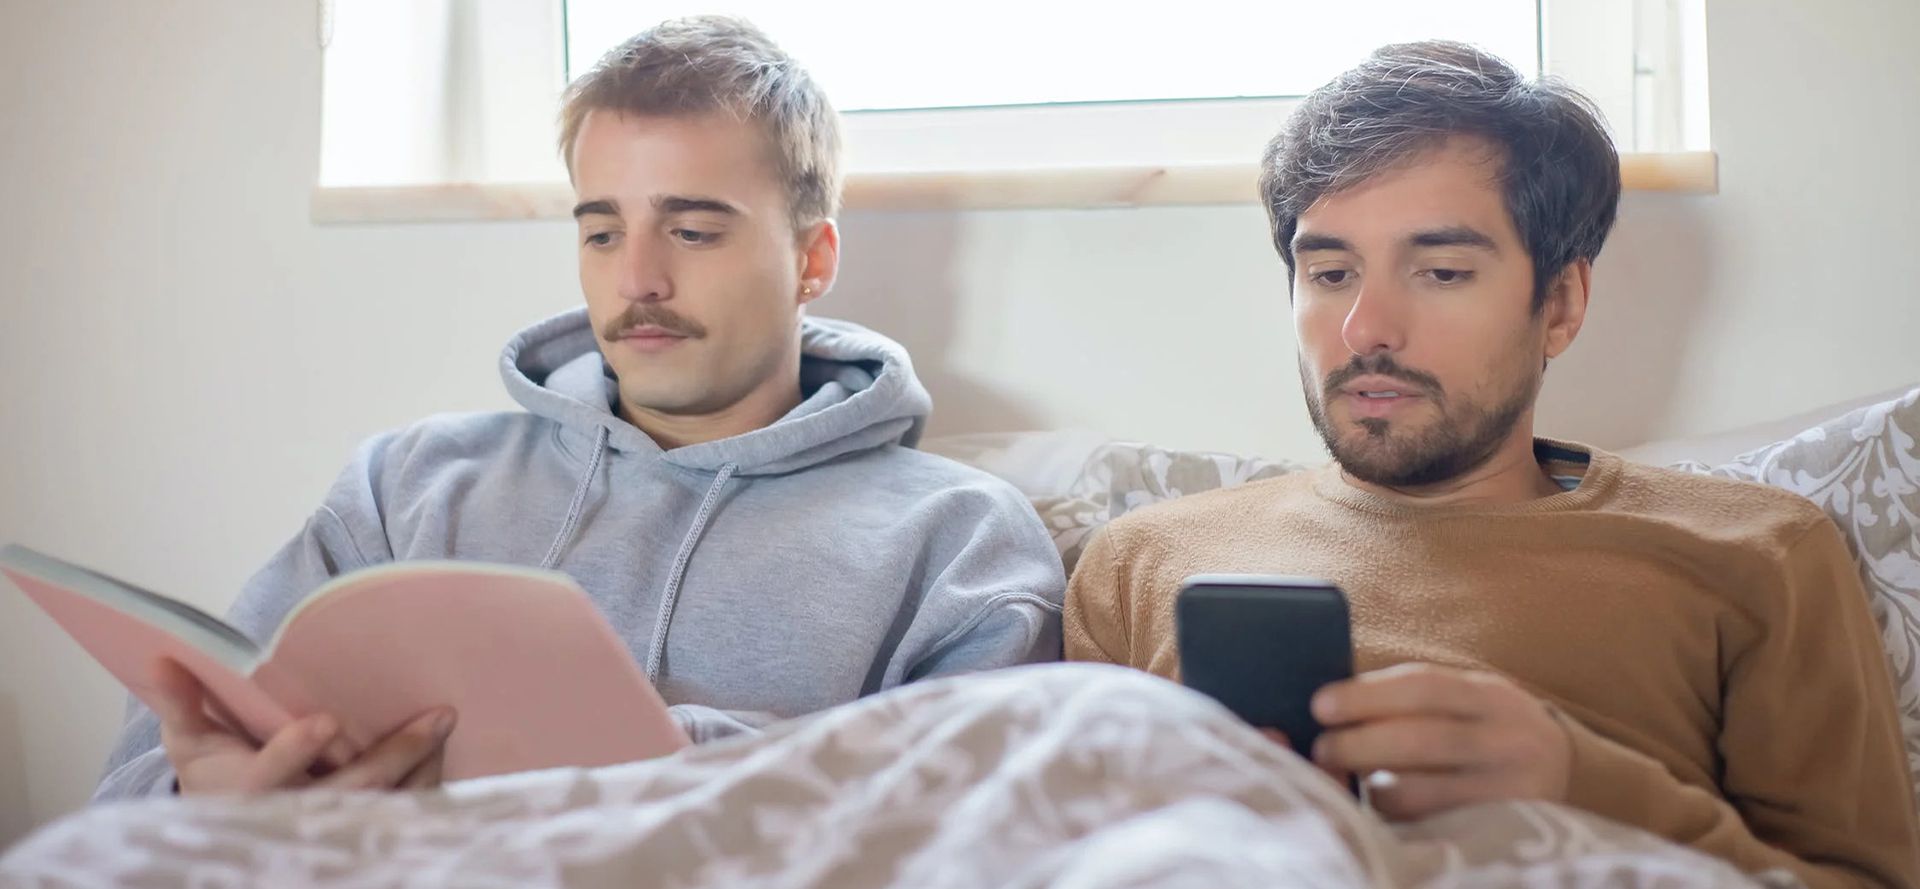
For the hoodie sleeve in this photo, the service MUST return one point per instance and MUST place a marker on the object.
(992, 590)
(704, 724)
(343, 534)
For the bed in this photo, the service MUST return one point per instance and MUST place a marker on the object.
(1058, 775)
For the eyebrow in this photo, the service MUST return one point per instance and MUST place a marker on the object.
(1454, 236)
(670, 204)
(596, 208)
(1447, 236)
(1311, 243)
(666, 205)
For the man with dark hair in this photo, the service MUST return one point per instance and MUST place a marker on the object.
(1533, 619)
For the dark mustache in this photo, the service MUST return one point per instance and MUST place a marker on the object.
(1381, 364)
(654, 315)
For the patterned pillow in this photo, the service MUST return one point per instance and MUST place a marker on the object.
(1863, 469)
(1123, 476)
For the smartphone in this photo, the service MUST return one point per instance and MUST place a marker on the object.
(1262, 645)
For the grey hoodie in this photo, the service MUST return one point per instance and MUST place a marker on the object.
(756, 578)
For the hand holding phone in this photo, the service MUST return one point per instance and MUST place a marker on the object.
(1262, 645)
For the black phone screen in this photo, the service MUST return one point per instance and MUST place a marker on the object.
(1262, 645)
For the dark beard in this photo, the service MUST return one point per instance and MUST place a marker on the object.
(1462, 439)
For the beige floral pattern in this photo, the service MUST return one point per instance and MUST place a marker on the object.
(1067, 776)
(1863, 469)
(1124, 476)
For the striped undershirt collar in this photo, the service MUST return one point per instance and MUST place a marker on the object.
(1565, 466)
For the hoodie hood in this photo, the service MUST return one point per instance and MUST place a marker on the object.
(858, 390)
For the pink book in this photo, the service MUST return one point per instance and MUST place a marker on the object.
(537, 676)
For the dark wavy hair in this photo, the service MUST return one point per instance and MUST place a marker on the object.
(1558, 170)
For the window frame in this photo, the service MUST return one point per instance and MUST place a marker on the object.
(500, 163)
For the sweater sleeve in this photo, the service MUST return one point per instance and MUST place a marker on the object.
(1094, 617)
(1814, 770)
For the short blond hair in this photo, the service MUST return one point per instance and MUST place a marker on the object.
(716, 63)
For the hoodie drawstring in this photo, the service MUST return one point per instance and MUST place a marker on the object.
(671, 597)
(572, 523)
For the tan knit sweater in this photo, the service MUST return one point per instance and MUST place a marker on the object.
(1707, 642)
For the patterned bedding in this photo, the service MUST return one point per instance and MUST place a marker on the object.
(1058, 775)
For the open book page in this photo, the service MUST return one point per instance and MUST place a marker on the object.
(42, 576)
(129, 630)
(536, 675)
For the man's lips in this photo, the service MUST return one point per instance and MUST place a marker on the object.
(1378, 397)
(1375, 385)
(650, 331)
(650, 338)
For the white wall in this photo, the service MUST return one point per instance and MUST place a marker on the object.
(185, 361)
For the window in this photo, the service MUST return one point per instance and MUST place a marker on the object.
(1006, 103)
(886, 55)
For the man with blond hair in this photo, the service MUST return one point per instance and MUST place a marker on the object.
(731, 481)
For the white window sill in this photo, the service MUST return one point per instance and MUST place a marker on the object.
(1074, 187)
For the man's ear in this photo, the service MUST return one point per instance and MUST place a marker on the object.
(819, 259)
(1566, 306)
